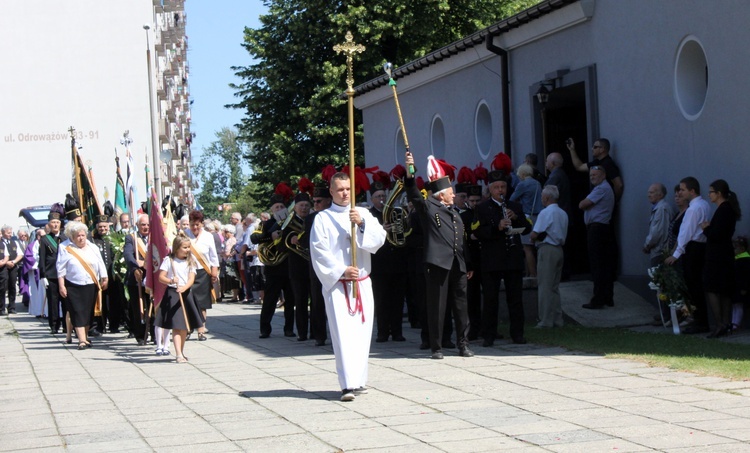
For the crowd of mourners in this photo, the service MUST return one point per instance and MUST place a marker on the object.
(506, 225)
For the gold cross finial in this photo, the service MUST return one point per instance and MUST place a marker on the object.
(349, 48)
(72, 131)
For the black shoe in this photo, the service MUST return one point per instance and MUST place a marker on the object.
(610, 303)
(320, 342)
(693, 329)
(380, 339)
(114, 330)
(487, 343)
(592, 306)
(11, 312)
(53, 331)
(141, 342)
(264, 335)
(94, 333)
(301, 338)
(424, 346)
(437, 355)
(399, 338)
(448, 345)
(130, 335)
(2, 312)
(519, 340)
(465, 352)
(290, 334)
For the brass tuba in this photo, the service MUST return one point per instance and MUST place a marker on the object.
(396, 216)
(295, 227)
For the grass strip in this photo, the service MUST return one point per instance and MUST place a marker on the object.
(694, 354)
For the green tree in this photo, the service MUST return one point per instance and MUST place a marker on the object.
(295, 115)
(220, 172)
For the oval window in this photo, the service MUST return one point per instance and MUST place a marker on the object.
(483, 129)
(691, 78)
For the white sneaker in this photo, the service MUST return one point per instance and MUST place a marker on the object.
(361, 391)
(158, 351)
(347, 395)
(165, 352)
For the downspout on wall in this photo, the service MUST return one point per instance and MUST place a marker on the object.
(505, 92)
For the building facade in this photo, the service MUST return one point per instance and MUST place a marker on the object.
(103, 68)
(659, 79)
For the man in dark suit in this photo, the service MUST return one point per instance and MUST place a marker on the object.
(277, 273)
(474, 284)
(321, 200)
(502, 257)
(134, 253)
(299, 263)
(557, 177)
(48, 246)
(388, 276)
(14, 254)
(446, 269)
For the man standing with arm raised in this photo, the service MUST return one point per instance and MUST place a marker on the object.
(349, 315)
(446, 269)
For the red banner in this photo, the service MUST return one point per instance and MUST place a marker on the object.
(157, 251)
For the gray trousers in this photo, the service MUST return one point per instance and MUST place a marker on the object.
(549, 266)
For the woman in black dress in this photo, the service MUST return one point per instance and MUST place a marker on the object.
(718, 273)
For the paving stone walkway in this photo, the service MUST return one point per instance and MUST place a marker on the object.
(241, 393)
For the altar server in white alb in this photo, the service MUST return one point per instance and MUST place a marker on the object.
(349, 317)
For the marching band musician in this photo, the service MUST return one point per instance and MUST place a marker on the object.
(473, 194)
(277, 273)
(446, 267)
(299, 274)
(501, 256)
(388, 276)
(321, 200)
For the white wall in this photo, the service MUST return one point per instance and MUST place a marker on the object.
(634, 46)
(65, 63)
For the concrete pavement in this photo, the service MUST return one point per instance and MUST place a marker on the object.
(241, 393)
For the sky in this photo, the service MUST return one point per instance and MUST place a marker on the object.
(215, 35)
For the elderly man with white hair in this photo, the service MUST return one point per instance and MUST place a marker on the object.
(549, 233)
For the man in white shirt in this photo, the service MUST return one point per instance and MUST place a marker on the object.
(691, 247)
(549, 234)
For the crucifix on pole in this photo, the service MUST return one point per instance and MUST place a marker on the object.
(350, 48)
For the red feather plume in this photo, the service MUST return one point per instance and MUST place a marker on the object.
(382, 177)
(502, 162)
(398, 172)
(305, 185)
(450, 170)
(327, 172)
(466, 176)
(361, 182)
(481, 173)
(285, 191)
(420, 183)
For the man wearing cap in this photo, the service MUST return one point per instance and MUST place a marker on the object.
(446, 269)
(48, 246)
(321, 200)
(388, 276)
(349, 312)
(110, 302)
(299, 264)
(277, 274)
(502, 257)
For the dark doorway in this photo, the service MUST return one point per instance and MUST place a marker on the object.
(570, 112)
